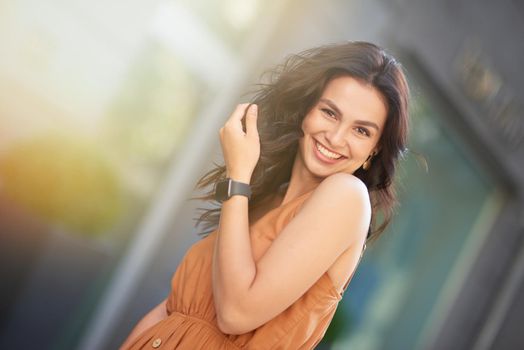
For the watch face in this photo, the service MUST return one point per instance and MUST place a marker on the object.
(221, 190)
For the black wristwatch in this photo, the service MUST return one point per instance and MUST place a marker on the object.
(227, 188)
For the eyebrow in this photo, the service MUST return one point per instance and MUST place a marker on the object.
(337, 110)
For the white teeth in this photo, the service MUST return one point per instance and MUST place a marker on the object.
(326, 152)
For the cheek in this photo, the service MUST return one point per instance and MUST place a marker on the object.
(312, 124)
(361, 148)
(306, 124)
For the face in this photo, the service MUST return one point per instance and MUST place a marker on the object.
(342, 129)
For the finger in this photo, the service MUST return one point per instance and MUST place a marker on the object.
(238, 113)
(251, 120)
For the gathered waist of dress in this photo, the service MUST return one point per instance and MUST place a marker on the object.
(207, 324)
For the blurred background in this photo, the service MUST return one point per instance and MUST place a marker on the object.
(109, 112)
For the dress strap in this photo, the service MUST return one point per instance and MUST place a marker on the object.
(356, 267)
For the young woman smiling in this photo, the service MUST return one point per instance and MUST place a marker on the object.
(310, 162)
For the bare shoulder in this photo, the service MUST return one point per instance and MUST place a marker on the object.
(342, 188)
(340, 198)
(344, 182)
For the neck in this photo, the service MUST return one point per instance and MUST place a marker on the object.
(301, 181)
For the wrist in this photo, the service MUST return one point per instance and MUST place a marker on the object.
(244, 178)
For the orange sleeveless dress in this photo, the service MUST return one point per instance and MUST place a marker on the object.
(191, 323)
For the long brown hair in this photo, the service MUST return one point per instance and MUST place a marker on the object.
(294, 88)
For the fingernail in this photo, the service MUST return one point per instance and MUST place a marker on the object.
(254, 108)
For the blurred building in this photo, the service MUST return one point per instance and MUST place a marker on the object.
(109, 114)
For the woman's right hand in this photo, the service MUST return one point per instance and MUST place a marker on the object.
(241, 149)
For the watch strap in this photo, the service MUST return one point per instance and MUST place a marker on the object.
(239, 188)
(227, 188)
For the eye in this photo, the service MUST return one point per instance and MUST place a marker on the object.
(363, 131)
(329, 112)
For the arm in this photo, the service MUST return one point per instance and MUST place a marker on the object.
(249, 294)
(157, 314)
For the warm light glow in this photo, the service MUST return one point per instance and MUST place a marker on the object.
(63, 180)
(240, 13)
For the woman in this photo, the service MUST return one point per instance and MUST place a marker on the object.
(318, 152)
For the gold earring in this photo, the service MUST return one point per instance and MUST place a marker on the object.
(367, 163)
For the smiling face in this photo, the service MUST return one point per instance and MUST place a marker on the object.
(341, 130)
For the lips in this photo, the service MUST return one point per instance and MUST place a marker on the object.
(324, 158)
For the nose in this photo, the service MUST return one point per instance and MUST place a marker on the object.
(336, 138)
